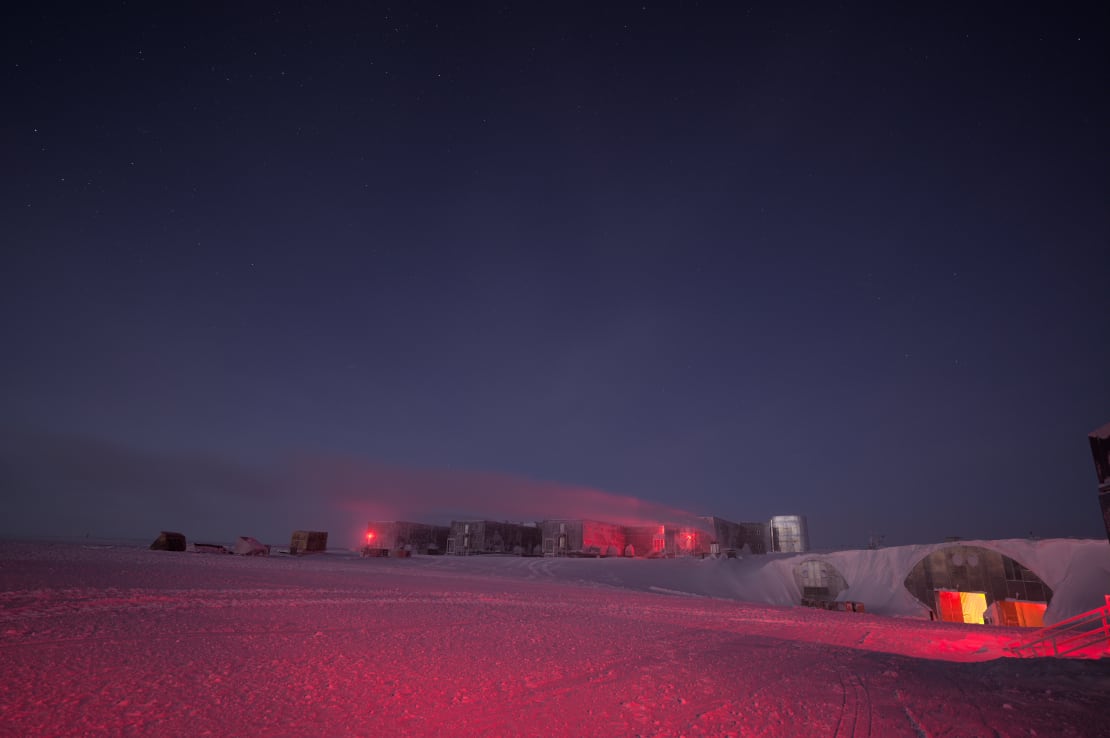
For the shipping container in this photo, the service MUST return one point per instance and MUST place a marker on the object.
(308, 541)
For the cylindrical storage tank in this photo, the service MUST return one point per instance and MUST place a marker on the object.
(789, 533)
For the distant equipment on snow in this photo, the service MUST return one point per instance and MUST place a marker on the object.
(247, 546)
(169, 541)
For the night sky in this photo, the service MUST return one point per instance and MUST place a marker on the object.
(281, 267)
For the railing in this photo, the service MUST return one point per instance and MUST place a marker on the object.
(1087, 630)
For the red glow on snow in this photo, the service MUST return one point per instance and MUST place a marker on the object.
(77, 654)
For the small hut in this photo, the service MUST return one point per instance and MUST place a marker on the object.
(308, 541)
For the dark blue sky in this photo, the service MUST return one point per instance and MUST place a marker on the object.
(281, 267)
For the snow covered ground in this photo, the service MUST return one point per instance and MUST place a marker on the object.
(119, 640)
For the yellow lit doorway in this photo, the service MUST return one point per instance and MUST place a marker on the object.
(961, 607)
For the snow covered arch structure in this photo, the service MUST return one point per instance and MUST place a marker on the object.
(964, 582)
(1076, 573)
(818, 579)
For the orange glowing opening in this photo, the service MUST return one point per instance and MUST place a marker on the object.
(961, 607)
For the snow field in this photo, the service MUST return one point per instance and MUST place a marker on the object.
(124, 641)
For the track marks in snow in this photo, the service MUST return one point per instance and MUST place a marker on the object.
(854, 719)
(918, 728)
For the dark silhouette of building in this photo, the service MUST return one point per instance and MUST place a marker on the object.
(400, 535)
(1100, 450)
(571, 537)
(491, 536)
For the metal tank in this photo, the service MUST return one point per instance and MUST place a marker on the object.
(789, 533)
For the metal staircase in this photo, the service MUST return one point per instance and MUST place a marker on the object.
(1084, 636)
